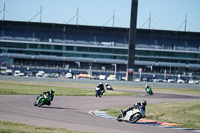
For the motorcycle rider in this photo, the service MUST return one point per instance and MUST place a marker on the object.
(136, 105)
(148, 89)
(107, 85)
(101, 86)
(147, 86)
(50, 95)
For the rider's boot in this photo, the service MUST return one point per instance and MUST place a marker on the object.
(48, 103)
(122, 112)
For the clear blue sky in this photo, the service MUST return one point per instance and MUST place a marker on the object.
(165, 14)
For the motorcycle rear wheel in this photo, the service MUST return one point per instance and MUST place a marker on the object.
(151, 92)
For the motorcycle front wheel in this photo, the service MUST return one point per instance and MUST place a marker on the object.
(35, 103)
(41, 102)
(119, 118)
(135, 118)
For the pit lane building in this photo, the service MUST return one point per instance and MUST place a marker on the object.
(34, 44)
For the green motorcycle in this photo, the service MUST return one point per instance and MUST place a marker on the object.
(42, 100)
(149, 90)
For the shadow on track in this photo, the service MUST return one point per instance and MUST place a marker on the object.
(56, 107)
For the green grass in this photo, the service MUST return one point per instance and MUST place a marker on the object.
(111, 93)
(33, 89)
(11, 127)
(186, 114)
(178, 90)
(172, 90)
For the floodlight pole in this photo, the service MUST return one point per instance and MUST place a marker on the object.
(132, 40)
(150, 20)
(186, 22)
(41, 14)
(77, 16)
(114, 18)
(4, 10)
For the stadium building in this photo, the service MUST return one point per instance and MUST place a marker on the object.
(64, 46)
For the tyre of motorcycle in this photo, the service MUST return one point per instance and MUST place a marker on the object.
(98, 93)
(150, 92)
(109, 88)
(134, 118)
(41, 102)
(35, 103)
(119, 118)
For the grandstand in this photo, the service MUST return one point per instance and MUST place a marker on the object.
(64, 46)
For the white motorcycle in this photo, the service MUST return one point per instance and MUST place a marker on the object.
(109, 87)
(132, 115)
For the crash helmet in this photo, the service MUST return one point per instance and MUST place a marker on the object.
(100, 83)
(144, 103)
(52, 91)
(106, 83)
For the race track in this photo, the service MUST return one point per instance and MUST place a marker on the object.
(71, 112)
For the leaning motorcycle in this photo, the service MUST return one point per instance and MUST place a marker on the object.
(109, 87)
(41, 100)
(149, 91)
(133, 115)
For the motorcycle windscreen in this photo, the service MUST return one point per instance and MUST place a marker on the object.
(97, 88)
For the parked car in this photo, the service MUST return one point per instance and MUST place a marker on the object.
(171, 81)
(8, 71)
(158, 80)
(40, 74)
(137, 80)
(111, 77)
(96, 77)
(180, 81)
(69, 75)
(18, 73)
(102, 77)
(193, 82)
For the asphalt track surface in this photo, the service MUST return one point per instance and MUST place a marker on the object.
(71, 112)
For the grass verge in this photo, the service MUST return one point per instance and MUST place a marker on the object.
(11, 127)
(33, 89)
(75, 85)
(186, 114)
(156, 89)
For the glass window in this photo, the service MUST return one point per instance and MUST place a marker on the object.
(120, 51)
(45, 46)
(106, 50)
(35, 46)
(94, 49)
(7, 45)
(20, 45)
(58, 47)
(84, 49)
(71, 48)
